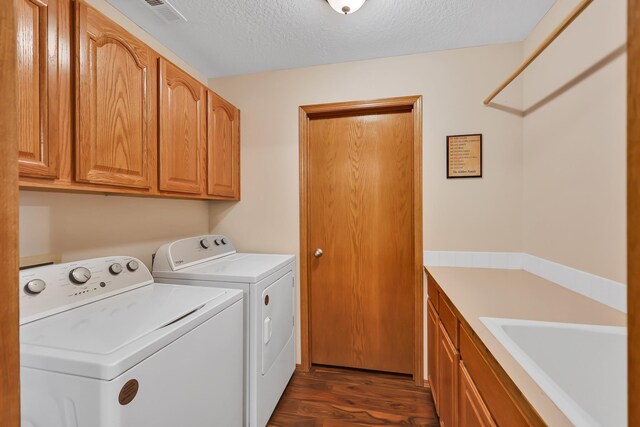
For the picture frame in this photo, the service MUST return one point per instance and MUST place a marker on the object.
(464, 156)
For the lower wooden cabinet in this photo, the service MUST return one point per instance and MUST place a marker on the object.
(501, 402)
(472, 411)
(448, 359)
(457, 399)
(467, 389)
(432, 351)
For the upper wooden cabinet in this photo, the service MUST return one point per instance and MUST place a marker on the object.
(115, 121)
(102, 112)
(37, 84)
(182, 142)
(223, 148)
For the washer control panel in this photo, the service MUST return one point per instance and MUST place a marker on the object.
(193, 250)
(54, 288)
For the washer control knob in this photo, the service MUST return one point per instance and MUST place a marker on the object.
(217, 242)
(132, 265)
(35, 286)
(80, 275)
(223, 241)
(115, 269)
(205, 243)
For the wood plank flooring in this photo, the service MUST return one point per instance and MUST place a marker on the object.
(330, 397)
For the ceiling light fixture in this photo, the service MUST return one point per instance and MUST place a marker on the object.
(346, 7)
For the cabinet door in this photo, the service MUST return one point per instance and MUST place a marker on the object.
(114, 103)
(182, 131)
(37, 76)
(223, 148)
(472, 412)
(448, 359)
(432, 350)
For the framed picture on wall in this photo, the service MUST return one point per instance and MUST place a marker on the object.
(464, 156)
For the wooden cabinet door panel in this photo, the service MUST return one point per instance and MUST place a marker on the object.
(432, 351)
(472, 412)
(182, 133)
(448, 319)
(36, 80)
(448, 359)
(114, 95)
(223, 148)
(504, 409)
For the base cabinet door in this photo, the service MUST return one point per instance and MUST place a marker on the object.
(467, 390)
(432, 351)
(472, 411)
(115, 87)
(448, 359)
(182, 131)
(37, 83)
(223, 148)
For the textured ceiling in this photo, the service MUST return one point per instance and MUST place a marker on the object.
(228, 37)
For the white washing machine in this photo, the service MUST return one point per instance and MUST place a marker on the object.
(268, 282)
(102, 345)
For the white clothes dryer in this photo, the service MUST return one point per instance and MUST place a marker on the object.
(268, 283)
(102, 345)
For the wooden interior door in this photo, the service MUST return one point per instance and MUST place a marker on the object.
(114, 110)
(37, 82)
(360, 215)
(182, 131)
(223, 148)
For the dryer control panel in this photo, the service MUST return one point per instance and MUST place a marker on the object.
(191, 251)
(55, 288)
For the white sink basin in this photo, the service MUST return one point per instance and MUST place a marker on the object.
(582, 368)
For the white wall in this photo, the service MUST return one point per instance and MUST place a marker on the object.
(472, 214)
(78, 226)
(553, 182)
(574, 187)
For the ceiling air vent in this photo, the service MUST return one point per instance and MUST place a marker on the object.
(166, 11)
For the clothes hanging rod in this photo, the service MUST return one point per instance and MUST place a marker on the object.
(545, 44)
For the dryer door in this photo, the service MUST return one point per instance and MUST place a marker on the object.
(277, 318)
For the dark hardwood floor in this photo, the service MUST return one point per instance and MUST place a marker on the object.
(345, 397)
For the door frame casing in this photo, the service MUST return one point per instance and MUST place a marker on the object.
(308, 112)
(633, 210)
(9, 307)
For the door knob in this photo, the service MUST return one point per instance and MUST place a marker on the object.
(317, 253)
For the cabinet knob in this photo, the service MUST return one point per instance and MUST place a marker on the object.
(318, 253)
